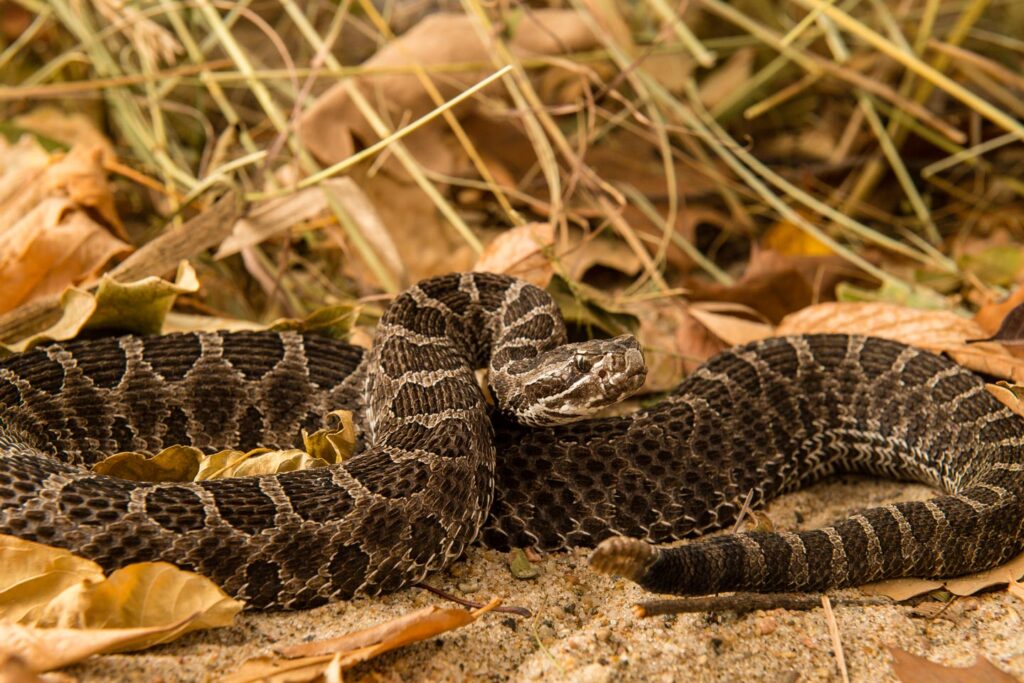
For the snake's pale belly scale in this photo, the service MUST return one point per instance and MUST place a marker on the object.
(761, 420)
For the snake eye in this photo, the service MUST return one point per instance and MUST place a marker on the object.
(583, 363)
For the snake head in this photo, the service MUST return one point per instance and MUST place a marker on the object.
(573, 381)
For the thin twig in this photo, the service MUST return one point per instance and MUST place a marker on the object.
(742, 603)
(518, 611)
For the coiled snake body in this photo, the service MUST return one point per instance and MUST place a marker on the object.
(760, 419)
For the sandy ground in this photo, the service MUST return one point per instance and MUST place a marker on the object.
(583, 627)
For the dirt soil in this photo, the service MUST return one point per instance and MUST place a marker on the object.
(583, 626)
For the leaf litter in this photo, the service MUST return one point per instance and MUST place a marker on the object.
(582, 172)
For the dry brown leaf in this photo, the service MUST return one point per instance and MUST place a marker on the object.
(47, 587)
(45, 649)
(51, 246)
(367, 221)
(308, 661)
(935, 331)
(910, 668)
(324, 447)
(674, 342)
(904, 589)
(327, 126)
(521, 252)
(34, 575)
(270, 217)
(726, 78)
(426, 243)
(50, 236)
(14, 669)
(776, 285)
(1010, 395)
(138, 306)
(731, 329)
(991, 316)
(70, 128)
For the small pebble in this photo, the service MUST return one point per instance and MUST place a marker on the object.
(521, 566)
(603, 634)
(469, 586)
(765, 625)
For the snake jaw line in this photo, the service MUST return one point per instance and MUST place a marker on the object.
(626, 557)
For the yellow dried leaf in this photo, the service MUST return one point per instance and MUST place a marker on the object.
(142, 305)
(334, 321)
(44, 587)
(333, 445)
(35, 574)
(137, 306)
(44, 649)
(148, 594)
(786, 238)
(1011, 396)
(227, 464)
(176, 463)
(308, 661)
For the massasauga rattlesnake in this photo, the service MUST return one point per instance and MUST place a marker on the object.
(758, 420)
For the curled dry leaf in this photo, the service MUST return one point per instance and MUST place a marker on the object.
(1011, 330)
(910, 668)
(935, 331)
(49, 595)
(521, 252)
(34, 575)
(1011, 395)
(139, 306)
(51, 236)
(308, 661)
(187, 463)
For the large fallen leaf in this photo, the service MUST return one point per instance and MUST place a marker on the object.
(777, 284)
(731, 329)
(14, 669)
(51, 234)
(935, 331)
(524, 252)
(45, 649)
(910, 668)
(139, 307)
(44, 587)
(34, 575)
(328, 125)
(904, 589)
(307, 661)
